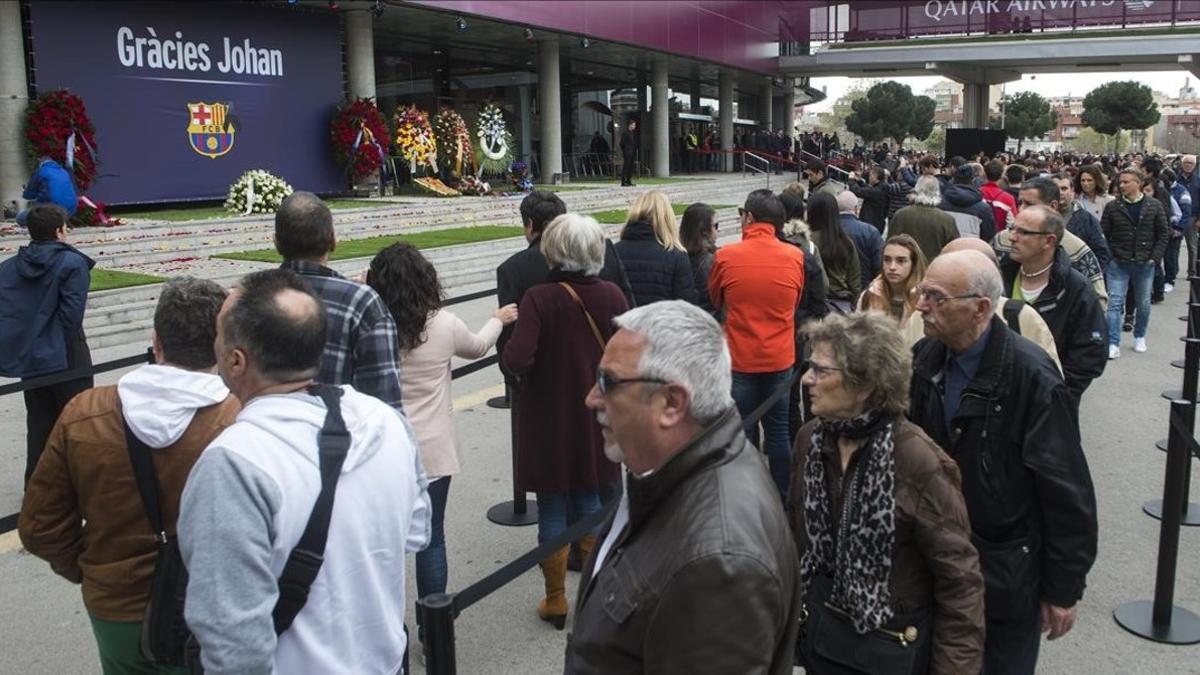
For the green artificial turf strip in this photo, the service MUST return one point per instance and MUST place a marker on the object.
(362, 248)
(187, 213)
(618, 216)
(103, 280)
(646, 180)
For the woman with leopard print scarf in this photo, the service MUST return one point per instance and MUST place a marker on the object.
(892, 582)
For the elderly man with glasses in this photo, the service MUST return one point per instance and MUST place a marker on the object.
(996, 403)
(695, 571)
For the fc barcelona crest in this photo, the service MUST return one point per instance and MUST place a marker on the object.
(210, 130)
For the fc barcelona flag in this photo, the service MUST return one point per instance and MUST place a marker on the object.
(210, 132)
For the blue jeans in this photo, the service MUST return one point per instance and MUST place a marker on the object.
(431, 563)
(750, 390)
(1171, 261)
(552, 510)
(1121, 278)
(22, 216)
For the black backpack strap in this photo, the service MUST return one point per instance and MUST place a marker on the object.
(305, 560)
(147, 481)
(1012, 313)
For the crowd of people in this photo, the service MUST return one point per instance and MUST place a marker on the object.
(850, 440)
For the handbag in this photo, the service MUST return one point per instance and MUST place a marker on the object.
(586, 313)
(829, 644)
(165, 638)
(164, 631)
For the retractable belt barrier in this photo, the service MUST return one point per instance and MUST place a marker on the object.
(9, 523)
(439, 610)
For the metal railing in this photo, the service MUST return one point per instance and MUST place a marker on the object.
(749, 160)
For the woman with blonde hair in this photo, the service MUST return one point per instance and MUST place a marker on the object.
(653, 255)
(893, 291)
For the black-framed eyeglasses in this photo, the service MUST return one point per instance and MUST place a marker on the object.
(606, 382)
(1028, 233)
(937, 299)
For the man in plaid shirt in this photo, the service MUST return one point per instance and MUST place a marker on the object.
(362, 347)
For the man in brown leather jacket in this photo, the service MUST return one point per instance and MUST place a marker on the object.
(695, 572)
(82, 511)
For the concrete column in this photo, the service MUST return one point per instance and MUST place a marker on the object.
(975, 105)
(765, 101)
(726, 116)
(14, 97)
(661, 117)
(525, 109)
(788, 122)
(360, 54)
(695, 97)
(549, 110)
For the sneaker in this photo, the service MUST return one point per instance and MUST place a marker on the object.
(1139, 345)
(1127, 327)
(1114, 352)
(1167, 288)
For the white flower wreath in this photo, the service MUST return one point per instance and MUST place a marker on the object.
(257, 191)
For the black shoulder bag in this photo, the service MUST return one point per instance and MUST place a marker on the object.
(1012, 314)
(165, 637)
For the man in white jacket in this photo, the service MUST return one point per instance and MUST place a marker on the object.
(249, 498)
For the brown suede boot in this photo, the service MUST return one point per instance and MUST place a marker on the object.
(586, 545)
(553, 608)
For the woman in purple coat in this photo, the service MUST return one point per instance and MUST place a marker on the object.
(555, 350)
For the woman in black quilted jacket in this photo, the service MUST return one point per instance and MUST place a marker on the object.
(653, 256)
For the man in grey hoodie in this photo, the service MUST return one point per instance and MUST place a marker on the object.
(249, 498)
(82, 511)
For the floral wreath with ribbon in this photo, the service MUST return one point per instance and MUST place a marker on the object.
(359, 135)
(494, 149)
(414, 137)
(454, 140)
(57, 126)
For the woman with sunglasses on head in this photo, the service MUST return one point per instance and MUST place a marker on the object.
(698, 231)
(890, 576)
(894, 290)
(554, 352)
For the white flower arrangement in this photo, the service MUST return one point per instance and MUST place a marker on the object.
(494, 149)
(257, 191)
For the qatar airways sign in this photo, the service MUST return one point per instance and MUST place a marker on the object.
(931, 17)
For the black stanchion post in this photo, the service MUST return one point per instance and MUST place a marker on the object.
(518, 512)
(1160, 620)
(436, 611)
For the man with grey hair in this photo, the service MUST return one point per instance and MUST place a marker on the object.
(1190, 180)
(727, 597)
(867, 240)
(932, 227)
(996, 403)
(83, 512)
(1038, 272)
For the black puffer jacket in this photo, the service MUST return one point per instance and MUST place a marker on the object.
(1025, 479)
(1141, 242)
(655, 273)
(705, 527)
(1072, 311)
(972, 215)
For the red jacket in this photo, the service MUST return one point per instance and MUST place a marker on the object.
(759, 281)
(1004, 207)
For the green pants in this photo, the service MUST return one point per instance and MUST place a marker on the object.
(119, 651)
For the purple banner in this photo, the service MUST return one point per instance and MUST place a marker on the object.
(740, 33)
(187, 96)
(896, 20)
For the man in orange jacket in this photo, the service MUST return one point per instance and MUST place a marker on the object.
(759, 282)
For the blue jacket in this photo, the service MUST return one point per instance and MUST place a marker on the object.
(654, 272)
(1187, 205)
(972, 215)
(1084, 225)
(869, 244)
(1192, 183)
(43, 292)
(52, 184)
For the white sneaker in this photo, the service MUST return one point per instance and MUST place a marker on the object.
(1139, 345)
(1114, 352)
(1167, 288)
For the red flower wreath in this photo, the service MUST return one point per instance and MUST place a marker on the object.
(49, 121)
(349, 119)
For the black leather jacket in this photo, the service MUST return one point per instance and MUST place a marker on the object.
(1025, 479)
(705, 578)
(1073, 314)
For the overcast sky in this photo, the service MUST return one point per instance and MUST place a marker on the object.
(1075, 84)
